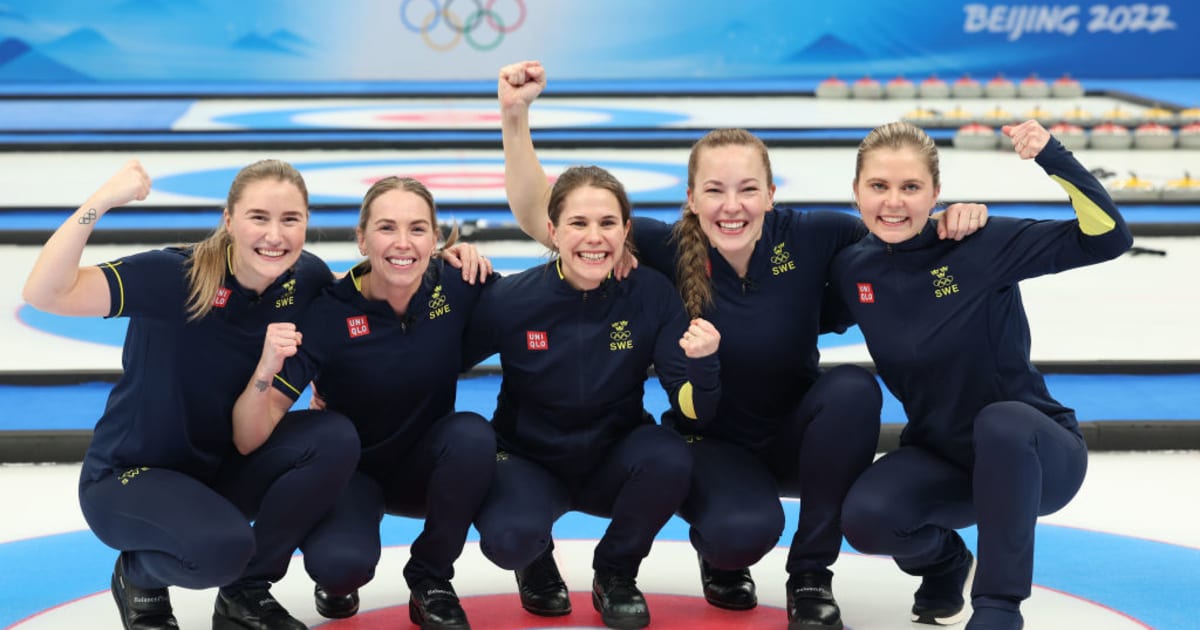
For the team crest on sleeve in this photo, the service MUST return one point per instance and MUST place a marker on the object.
(621, 337)
(866, 293)
(781, 260)
(289, 294)
(537, 340)
(437, 303)
(943, 282)
(221, 298)
(358, 326)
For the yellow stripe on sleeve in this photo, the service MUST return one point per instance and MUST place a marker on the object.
(1093, 220)
(287, 384)
(686, 405)
(120, 289)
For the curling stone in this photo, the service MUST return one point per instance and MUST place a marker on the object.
(975, 137)
(1153, 136)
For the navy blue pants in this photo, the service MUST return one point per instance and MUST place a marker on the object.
(821, 448)
(442, 478)
(174, 529)
(639, 485)
(908, 504)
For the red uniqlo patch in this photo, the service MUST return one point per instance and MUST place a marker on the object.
(537, 340)
(221, 298)
(358, 326)
(866, 294)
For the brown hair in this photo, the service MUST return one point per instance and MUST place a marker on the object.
(900, 135)
(406, 184)
(692, 264)
(206, 271)
(577, 177)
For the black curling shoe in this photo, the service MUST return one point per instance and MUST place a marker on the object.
(142, 608)
(433, 605)
(542, 589)
(941, 599)
(252, 609)
(335, 606)
(731, 590)
(620, 603)
(810, 602)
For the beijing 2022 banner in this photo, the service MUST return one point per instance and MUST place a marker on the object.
(440, 40)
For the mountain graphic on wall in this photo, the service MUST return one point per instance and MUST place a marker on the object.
(828, 48)
(21, 62)
(281, 41)
(80, 42)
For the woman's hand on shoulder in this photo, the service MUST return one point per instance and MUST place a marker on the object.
(960, 219)
(466, 256)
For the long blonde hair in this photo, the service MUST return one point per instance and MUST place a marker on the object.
(692, 274)
(206, 271)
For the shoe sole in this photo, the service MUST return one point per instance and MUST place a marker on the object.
(337, 614)
(723, 605)
(622, 623)
(801, 625)
(931, 620)
(546, 612)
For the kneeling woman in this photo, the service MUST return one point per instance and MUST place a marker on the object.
(946, 316)
(161, 481)
(575, 345)
(384, 346)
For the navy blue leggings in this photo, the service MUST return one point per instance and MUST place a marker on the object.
(175, 530)
(908, 504)
(639, 484)
(821, 448)
(442, 478)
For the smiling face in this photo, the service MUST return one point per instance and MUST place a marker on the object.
(589, 235)
(267, 224)
(730, 191)
(895, 193)
(398, 238)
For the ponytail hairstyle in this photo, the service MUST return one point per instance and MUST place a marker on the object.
(692, 266)
(900, 135)
(210, 257)
(406, 184)
(577, 177)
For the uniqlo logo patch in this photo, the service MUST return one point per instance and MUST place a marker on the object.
(358, 326)
(221, 298)
(866, 294)
(537, 340)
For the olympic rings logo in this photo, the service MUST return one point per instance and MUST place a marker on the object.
(780, 254)
(441, 14)
(943, 281)
(620, 336)
(437, 299)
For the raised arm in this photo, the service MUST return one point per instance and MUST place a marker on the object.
(525, 181)
(57, 284)
(1103, 228)
(261, 406)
